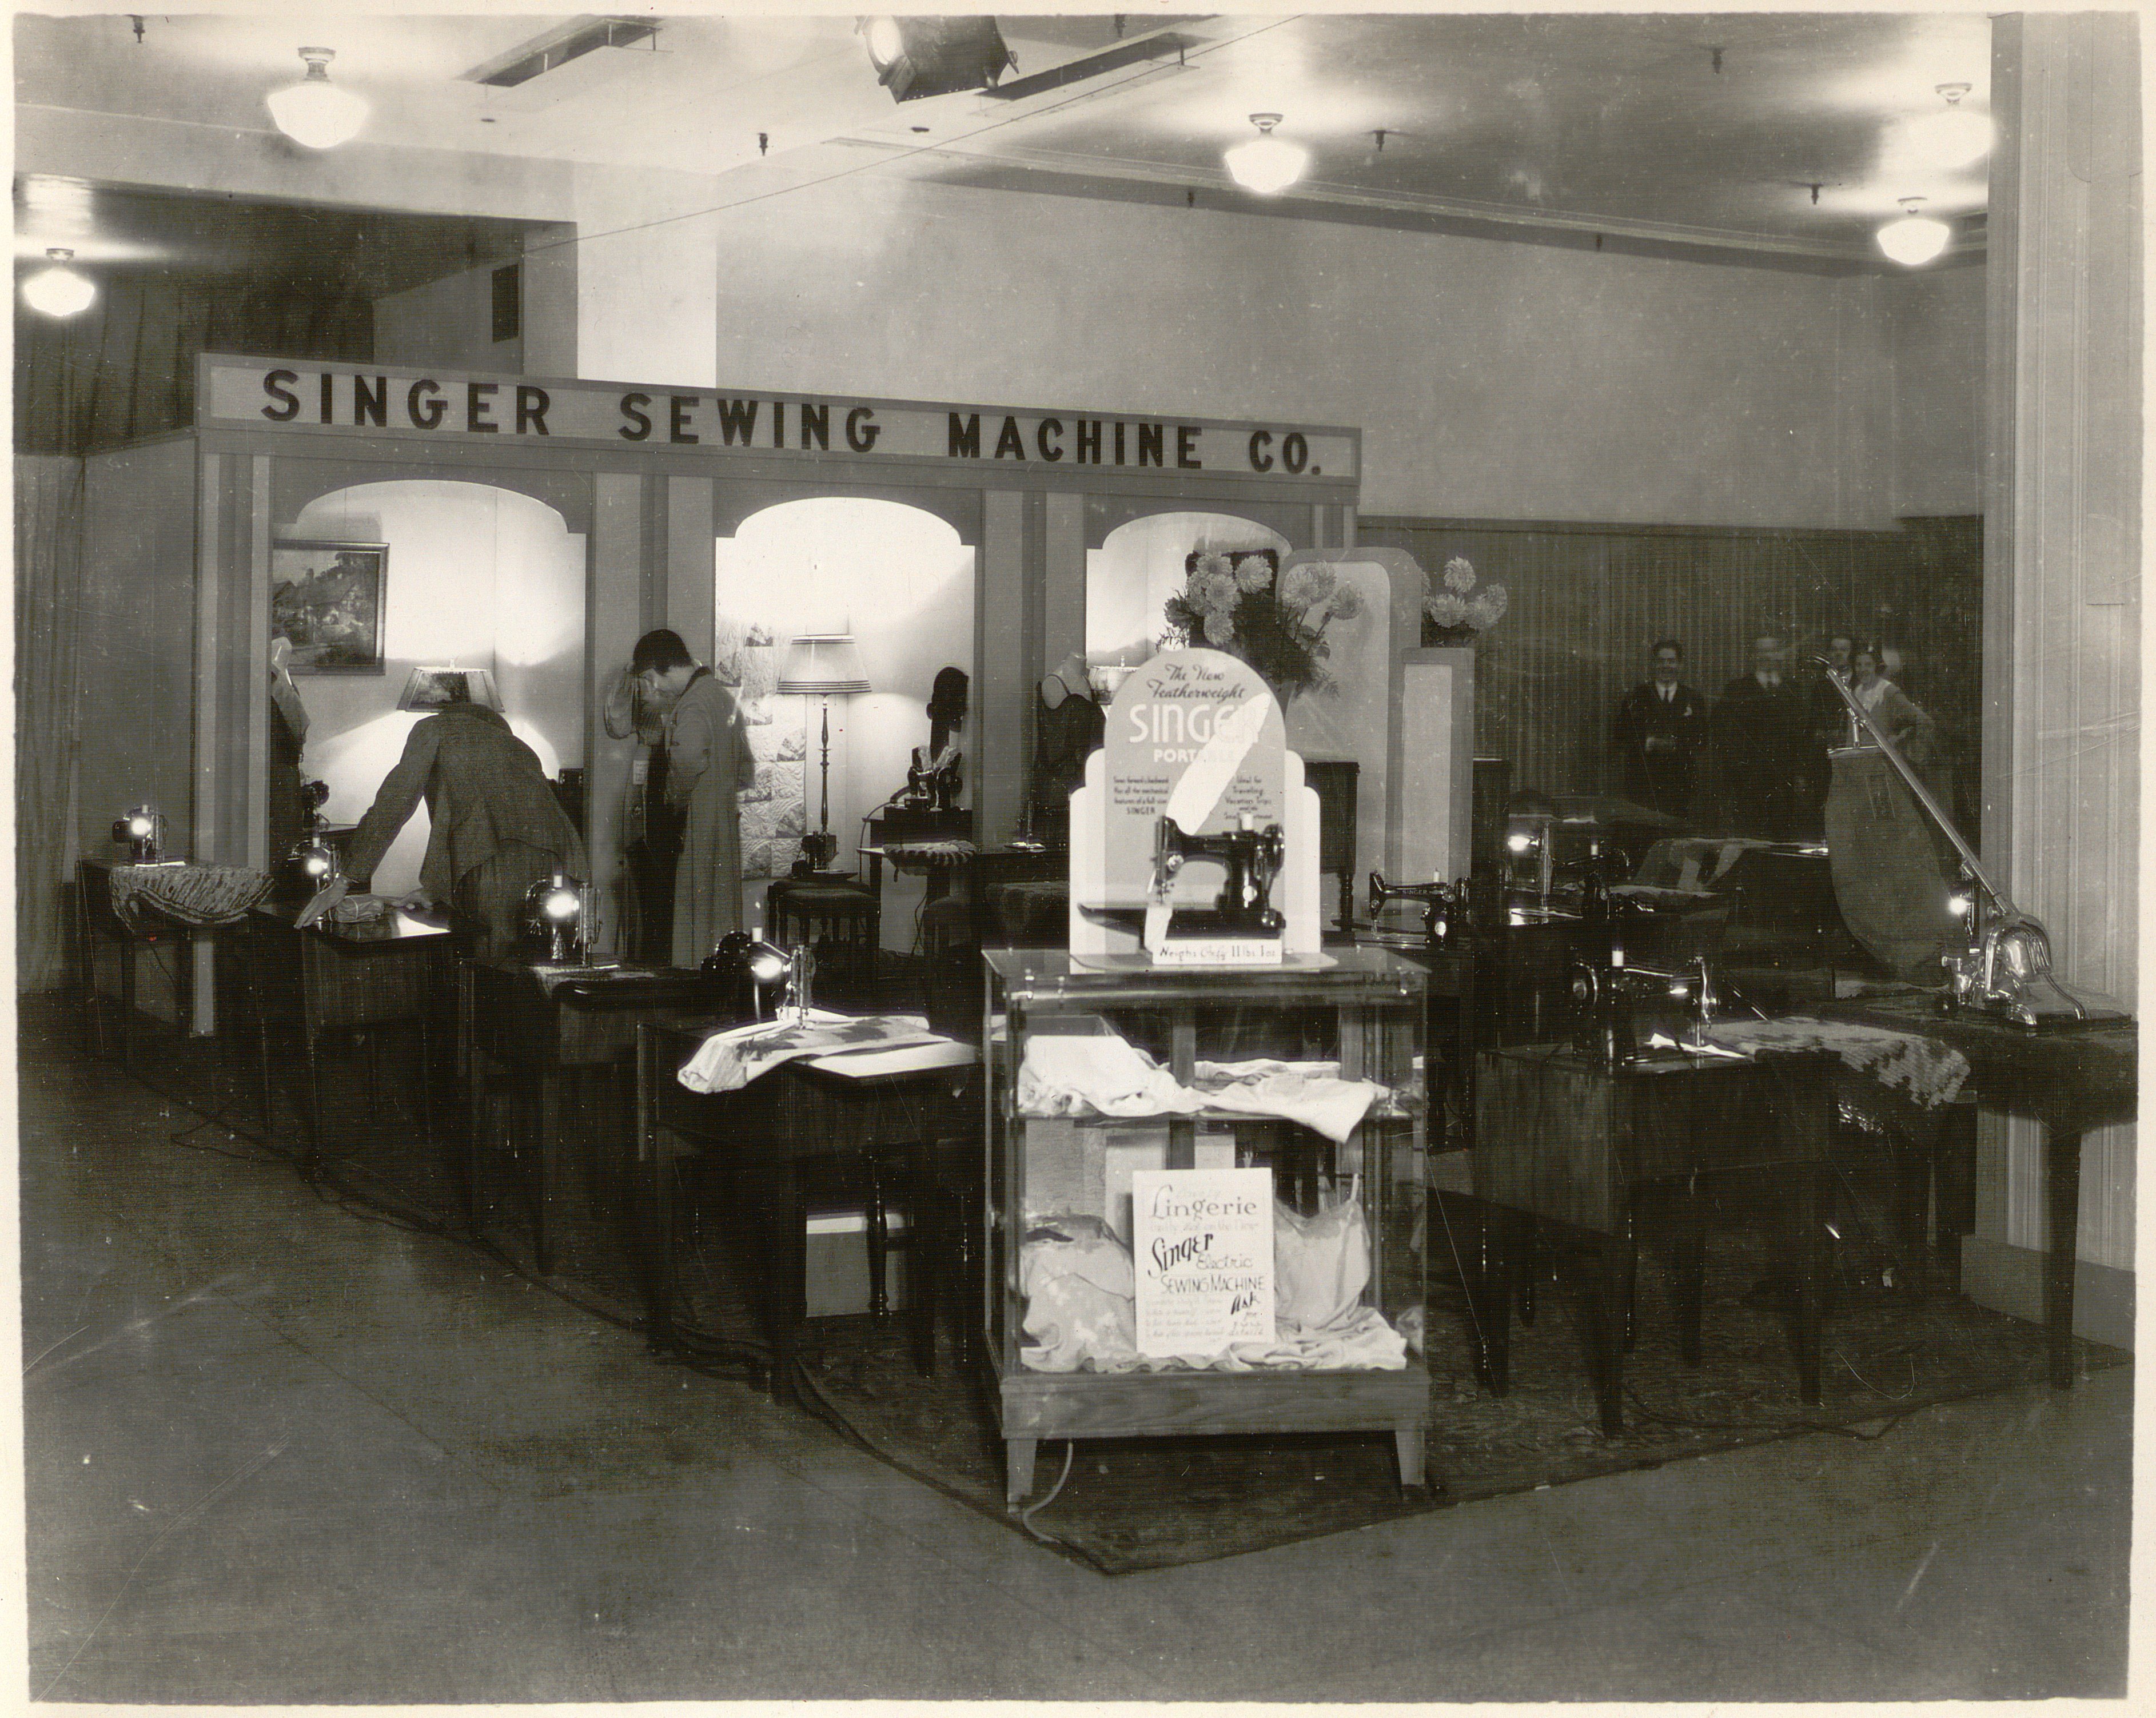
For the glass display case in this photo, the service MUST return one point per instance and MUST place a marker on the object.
(1306, 1077)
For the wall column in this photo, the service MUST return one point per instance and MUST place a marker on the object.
(1001, 716)
(691, 569)
(2062, 624)
(1063, 595)
(612, 619)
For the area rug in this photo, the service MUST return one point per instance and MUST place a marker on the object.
(1127, 1505)
(1122, 1506)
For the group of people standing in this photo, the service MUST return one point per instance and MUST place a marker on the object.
(1754, 762)
(496, 826)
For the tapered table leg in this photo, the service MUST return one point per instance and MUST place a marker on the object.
(2062, 1180)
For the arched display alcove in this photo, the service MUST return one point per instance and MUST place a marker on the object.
(473, 576)
(899, 579)
(1141, 564)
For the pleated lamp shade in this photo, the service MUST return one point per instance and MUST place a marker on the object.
(823, 663)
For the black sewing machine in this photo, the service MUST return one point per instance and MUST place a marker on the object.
(1607, 995)
(1252, 858)
(930, 786)
(1445, 909)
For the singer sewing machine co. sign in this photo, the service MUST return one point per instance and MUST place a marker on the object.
(306, 397)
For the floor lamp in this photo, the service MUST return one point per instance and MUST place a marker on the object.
(819, 664)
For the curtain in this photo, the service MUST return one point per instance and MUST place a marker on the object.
(125, 368)
(48, 503)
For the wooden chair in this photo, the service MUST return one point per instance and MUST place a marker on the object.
(1335, 783)
(839, 918)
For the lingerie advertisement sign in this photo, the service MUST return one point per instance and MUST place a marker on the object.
(1202, 1240)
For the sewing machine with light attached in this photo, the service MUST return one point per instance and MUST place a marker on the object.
(141, 832)
(555, 922)
(764, 981)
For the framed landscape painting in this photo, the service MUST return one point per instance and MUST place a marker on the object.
(325, 601)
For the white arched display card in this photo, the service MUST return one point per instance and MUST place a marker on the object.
(1195, 737)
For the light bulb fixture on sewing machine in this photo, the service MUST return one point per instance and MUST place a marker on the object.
(553, 922)
(141, 831)
(757, 970)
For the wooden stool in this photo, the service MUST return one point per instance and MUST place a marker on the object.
(951, 956)
(837, 917)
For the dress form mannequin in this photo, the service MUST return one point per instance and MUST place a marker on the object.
(1066, 679)
(1068, 727)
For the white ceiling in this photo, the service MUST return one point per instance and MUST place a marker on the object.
(1689, 128)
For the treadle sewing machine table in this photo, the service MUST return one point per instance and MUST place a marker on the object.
(1368, 1005)
(768, 1130)
(1561, 1137)
(2068, 1079)
(551, 1029)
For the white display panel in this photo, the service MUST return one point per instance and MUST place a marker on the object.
(1435, 771)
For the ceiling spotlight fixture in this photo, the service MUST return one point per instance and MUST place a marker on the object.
(1913, 239)
(315, 111)
(1266, 164)
(60, 291)
(917, 57)
(1954, 138)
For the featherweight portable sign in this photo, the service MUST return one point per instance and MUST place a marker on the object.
(1203, 1241)
(1195, 737)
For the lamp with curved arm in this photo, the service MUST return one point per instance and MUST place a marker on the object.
(2005, 964)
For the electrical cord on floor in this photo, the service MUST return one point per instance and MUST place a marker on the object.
(327, 1181)
(1891, 1395)
(1026, 1515)
(1892, 1417)
(1436, 1197)
(261, 1154)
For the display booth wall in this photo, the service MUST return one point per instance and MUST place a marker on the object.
(537, 526)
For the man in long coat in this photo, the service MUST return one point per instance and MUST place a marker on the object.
(707, 763)
(495, 825)
(1763, 746)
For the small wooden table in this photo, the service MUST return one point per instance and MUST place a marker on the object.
(554, 1026)
(96, 923)
(1561, 1137)
(2069, 1079)
(384, 971)
(769, 1128)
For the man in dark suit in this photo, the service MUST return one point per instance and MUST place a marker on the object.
(1660, 731)
(495, 827)
(1761, 747)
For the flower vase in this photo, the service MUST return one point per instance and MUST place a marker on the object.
(1450, 636)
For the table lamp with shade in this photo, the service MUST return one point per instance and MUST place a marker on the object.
(429, 688)
(822, 665)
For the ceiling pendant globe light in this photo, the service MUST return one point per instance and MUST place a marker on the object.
(1913, 239)
(60, 291)
(1266, 164)
(1954, 138)
(315, 111)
